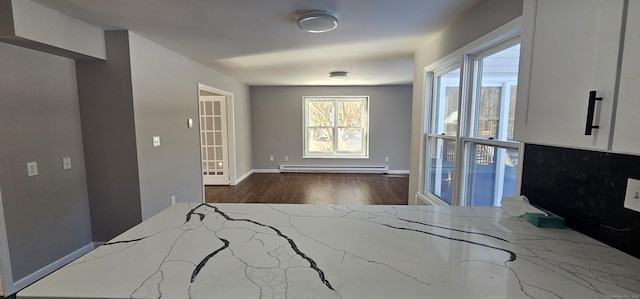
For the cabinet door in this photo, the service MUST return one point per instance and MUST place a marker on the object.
(626, 136)
(569, 48)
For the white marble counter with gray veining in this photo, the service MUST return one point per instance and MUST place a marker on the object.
(305, 251)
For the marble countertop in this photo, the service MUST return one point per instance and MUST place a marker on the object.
(305, 251)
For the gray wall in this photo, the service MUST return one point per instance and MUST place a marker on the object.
(165, 95)
(485, 17)
(145, 90)
(47, 216)
(108, 128)
(276, 114)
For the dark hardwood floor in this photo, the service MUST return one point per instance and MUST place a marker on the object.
(320, 189)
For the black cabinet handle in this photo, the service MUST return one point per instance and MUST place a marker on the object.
(590, 111)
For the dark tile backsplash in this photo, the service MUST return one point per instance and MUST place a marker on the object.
(587, 188)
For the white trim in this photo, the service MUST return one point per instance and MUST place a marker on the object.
(6, 287)
(364, 154)
(398, 172)
(492, 142)
(503, 37)
(231, 133)
(48, 269)
(430, 200)
(425, 121)
(278, 171)
(246, 175)
(334, 169)
(270, 170)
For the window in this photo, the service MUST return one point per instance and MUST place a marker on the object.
(442, 143)
(336, 127)
(471, 158)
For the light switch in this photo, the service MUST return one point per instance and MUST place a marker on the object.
(156, 141)
(66, 163)
(32, 168)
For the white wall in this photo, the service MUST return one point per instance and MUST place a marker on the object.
(485, 17)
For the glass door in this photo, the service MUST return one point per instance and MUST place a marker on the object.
(213, 139)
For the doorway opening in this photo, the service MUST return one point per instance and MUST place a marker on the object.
(217, 136)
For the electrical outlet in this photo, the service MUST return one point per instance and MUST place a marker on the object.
(32, 168)
(386, 159)
(173, 200)
(632, 197)
(270, 158)
(66, 163)
(156, 141)
(286, 158)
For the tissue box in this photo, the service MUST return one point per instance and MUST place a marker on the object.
(539, 220)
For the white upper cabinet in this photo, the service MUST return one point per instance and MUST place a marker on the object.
(626, 138)
(569, 48)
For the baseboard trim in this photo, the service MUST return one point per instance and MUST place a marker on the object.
(398, 172)
(278, 171)
(266, 170)
(246, 175)
(48, 269)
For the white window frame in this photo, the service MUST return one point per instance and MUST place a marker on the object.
(500, 39)
(364, 154)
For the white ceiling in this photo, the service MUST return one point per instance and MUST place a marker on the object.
(258, 41)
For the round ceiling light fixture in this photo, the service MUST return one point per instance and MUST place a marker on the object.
(339, 75)
(317, 21)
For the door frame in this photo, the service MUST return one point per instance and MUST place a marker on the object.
(231, 132)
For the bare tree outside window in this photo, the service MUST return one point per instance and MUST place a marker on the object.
(336, 127)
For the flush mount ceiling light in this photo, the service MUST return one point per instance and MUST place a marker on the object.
(317, 21)
(339, 75)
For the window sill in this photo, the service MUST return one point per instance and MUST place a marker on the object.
(335, 157)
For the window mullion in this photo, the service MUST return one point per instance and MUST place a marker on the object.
(335, 126)
(464, 112)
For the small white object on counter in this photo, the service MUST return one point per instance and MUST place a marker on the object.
(519, 205)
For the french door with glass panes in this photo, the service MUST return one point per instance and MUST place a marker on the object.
(471, 158)
(213, 134)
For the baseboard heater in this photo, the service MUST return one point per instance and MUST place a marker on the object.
(333, 169)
